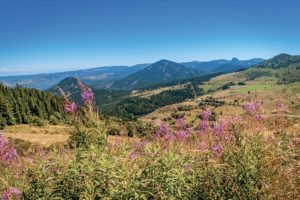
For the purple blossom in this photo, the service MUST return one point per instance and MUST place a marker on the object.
(203, 126)
(180, 123)
(70, 107)
(10, 155)
(217, 149)
(259, 117)
(11, 192)
(169, 137)
(7, 153)
(181, 134)
(280, 106)
(251, 107)
(162, 131)
(218, 129)
(87, 94)
(206, 114)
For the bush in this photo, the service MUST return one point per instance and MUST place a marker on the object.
(241, 83)
(54, 120)
(39, 122)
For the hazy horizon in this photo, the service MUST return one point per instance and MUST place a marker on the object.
(56, 36)
(24, 73)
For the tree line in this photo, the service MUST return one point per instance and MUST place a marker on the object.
(23, 106)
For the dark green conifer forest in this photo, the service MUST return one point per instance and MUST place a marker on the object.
(23, 106)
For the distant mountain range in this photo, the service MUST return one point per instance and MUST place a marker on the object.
(98, 77)
(133, 76)
(236, 64)
(162, 71)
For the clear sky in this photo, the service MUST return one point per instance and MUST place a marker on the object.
(56, 35)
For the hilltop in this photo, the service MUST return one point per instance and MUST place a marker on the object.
(162, 71)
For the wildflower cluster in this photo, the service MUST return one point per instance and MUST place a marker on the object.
(11, 193)
(253, 109)
(87, 94)
(7, 153)
(208, 136)
(70, 106)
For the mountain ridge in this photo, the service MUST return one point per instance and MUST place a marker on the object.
(159, 72)
(104, 77)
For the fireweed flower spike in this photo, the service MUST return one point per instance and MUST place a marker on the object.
(218, 129)
(181, 134)
(162, 131)
(203, 126)
(70, 107)
(280, 106)
(251, 107)
(217, 149)
(7, 153)
(10, 193)
(87, 94)
(180, 123)
(206, 114)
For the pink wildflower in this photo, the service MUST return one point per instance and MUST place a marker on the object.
(70, 107)
(10, 193)
(7, 153)
(259, 117)
(181, 134)
(280, 106)
(87, 94)
(203, 126)
(180, 123)
(251, 107)
(206, 114)
(162, 131)
(217, 149)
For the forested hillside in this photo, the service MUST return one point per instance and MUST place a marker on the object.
(22, 106)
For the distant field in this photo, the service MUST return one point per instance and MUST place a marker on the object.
(47, 135)
(41, 135)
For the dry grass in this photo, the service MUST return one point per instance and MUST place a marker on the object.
(46, 135)
(49, 135)
(263, 89)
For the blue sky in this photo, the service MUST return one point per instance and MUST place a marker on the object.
(56, 35)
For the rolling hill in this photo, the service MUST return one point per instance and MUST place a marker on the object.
(162, 71)
(280, 61)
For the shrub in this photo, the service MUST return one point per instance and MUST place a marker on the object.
(54, 120)
(39, 122)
